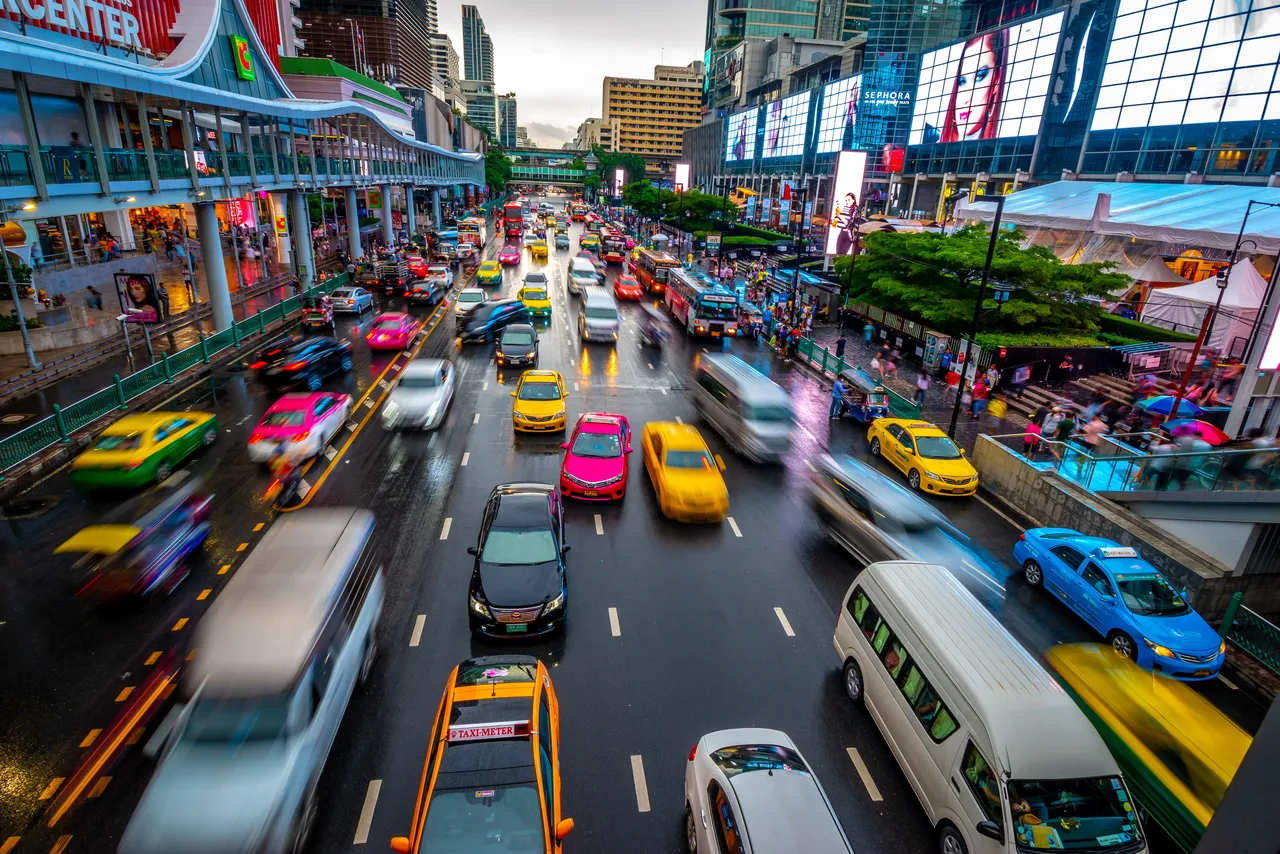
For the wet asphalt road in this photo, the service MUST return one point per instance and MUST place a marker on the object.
(699, 644)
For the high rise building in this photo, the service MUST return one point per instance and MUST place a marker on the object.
(444, 60)
(482, 104)
(477, 47)
(522, 138)
(652, 115)
(388, 40)
(593, 132)
(507, 120)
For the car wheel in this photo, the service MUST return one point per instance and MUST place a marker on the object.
(1123, 644)
(301, 832)
(346, 364)
(314, 382)
(950, 841)
(853, 681)
(875, 447)
(913, 478)
(1033, 574)
(690, 831)
(209, 437)
(163, 470)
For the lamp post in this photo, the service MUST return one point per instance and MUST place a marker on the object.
(12, 276)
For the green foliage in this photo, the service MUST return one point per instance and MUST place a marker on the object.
(21, 275)
(321, 209)
(369, 220)
(737, 241)
(772, 236)
(633, 164)
(1037, 339)
(646, 199)
(1141, 331)
(1113, 340)
(934, 279)
(8, 323)
(497, 168)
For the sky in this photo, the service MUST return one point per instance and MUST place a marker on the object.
(555, 54)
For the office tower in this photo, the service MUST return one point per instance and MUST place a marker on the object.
(388, 40)
(477, 47)
(651, 116)
(507, 120)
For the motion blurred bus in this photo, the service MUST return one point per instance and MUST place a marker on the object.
(474, 231)
(701, 304)
(578, 212)
(1177, 751)
(651, 268)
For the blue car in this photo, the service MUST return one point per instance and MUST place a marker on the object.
(1124, 598)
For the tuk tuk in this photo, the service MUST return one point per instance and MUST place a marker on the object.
(864, 398)
(392, 277)
(142, 546)
(317, 312)
(653, 326)
(749, 316)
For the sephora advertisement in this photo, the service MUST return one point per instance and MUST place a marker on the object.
(740, 136)
(992, 86)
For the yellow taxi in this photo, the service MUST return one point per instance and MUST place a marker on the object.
(142, 449)
(491, 779)
(489, 273)
(549, 220)
(538, 249)
(539, 405)
(588, 241)
(685, 475)
(925, 454)
(537, 299)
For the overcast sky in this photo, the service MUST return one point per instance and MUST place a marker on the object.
(555, 54)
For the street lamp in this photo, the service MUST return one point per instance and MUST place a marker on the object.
(13, 282)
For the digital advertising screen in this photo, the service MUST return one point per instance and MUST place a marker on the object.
(740, 136)
(784, 126)
(992, 86)
(1189, 62)
(851, 167)
(619, 177)
(682, 178)
(836, 126)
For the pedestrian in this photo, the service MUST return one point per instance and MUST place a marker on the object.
(837, 398)
(945, 363)
(877, 368)
(844, 315)
(1031, 440)
(996, 410)
(794, 341)
(867, 331)
(95, 298)
(35, 255)
(190, 285)
(1259, 464)
(168, 247)
(162, 294)
(980, 390)
(1066, 428)
(953, 385)
(922, 386)
(840, 345)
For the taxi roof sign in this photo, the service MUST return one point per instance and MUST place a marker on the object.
(1116, 551)
(488, 732)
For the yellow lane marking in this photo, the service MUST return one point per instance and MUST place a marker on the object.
(242, 547)
(259, 526)
(177, 627)
(99, 787)
(153, 658)
(8, 844)
(88, 742)
(124, 694)
(204, 594)
(51, 789)
(61, 844)
(191, 656)
(135, 735)
(224, 569)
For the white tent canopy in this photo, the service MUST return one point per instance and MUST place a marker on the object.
(1156, 273)
(1184, 308)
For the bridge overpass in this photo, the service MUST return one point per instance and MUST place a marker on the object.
(563, 176)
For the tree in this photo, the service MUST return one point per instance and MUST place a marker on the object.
(695, 204)
(646, 199)
(497, 169)
(934, 278)
(632, 164)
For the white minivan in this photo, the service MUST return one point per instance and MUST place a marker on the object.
(999, 755)
(277, 658)
(598, 317)
(582, 275)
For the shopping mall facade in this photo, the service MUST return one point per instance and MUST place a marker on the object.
(998, 96)
(118, 115)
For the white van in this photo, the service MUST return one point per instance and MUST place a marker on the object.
(277, 658)
(999, 755)
(582, 274)
(598, 316)
(748, 409)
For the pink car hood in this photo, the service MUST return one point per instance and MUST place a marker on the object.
(594, 469)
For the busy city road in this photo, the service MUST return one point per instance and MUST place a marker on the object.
(672, 630)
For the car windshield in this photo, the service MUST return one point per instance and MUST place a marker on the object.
(690, 460)
(717, 310)
(1091, 814)
(534, 293)
(1151, 596)
(285, 418)
(601, 312)
(535, 279)
(757, 757)
(540, 391)
(237, 720)
(387, 325)
(518, 547)
(937, 448)
(420, 381)
(118, 443)
(777, 413)
(602, 445)
(518, 339)
(466, 297)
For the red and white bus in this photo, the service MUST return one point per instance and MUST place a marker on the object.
(513, 219)
(651, 269)
(701, 304)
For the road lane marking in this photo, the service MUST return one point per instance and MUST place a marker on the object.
(330, 453)
(996, 510)
(786, 625)
(734, 526)
(124, 694)
(304, 488)
(242, 420)
(52, 789)
(224, 569)
(395, 367)
(599, 526)
(153, 658)
(351, 425)
(865, 774)
(614, 628)
(809, 433)
(448, 523)
(650, 364)
(383, 384)
(258, 527)
(642, 788)
(99, 787)
(368, 403)
(418, 624)
(177, 627)
(810, 465)
(466, 457)
(366, 812)
(204, 594)
(61, 844)
(663, 390)
(575, 387)
(8, 844)
(135, 735)
(485, 386)
(476, 419)
(1225, 681)
(679, 420)
(242, 547)
(91, 738)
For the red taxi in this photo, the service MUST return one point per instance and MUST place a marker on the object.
(491, 780)
(595, 458)
(626, 287)
(417, 266)
(393, 330)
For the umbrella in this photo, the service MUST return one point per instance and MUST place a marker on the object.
(1163, 404)
(1203, 429)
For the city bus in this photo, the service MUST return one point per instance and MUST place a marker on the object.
(578, 212)
(651, 268)
(613, 247)
(473, 230)
(702, 304)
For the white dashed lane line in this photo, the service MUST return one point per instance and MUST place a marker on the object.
(485, 387)
(476, 419)
(599, 526)
(466, 457)
(642, 787)
(366, 812)
(614, 628)
(1225, 681)
(734, 526)
(418, 624)
(810, 465)
(865, 774)
(444, 532)
(786, 624)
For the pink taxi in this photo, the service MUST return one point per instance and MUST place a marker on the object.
(595, 459)
(308, 420)
(510, 254)
(393, 330)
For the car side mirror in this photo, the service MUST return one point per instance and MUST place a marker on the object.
(513, 394)
(962, 453)
(472, 550)
(564, 445)
(991, 830)
(565, 549)
(400, 844)
(563, 827)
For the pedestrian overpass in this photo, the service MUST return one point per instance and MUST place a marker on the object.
(562, 175)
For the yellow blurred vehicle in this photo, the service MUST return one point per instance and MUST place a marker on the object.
(489, 273)
(143, 448)
(538, 249)
(589, 241)
(925, 454)
(491, 780)
(1177, 751)
(685, 474)
(539, 405)
(537, 299)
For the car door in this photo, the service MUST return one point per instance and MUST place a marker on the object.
(977, 795)
(1096, 597)
(324, 416)
(891, 446)
(1061, 572)
(727, 836)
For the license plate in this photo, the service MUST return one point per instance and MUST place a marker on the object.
(1202, 672)
(517, 627)
(715, 334)
(590, 492)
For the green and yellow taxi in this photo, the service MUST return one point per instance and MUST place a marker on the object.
(491, 780)
(589, 241)
(143, 448)
(539, 405)
(489, 273)
(537, 299)
(926, 455)
(538, 249)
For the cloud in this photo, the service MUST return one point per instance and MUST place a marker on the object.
(550, 136)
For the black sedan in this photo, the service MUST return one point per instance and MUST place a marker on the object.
(518, 584)
(518, 346)
(306, 363)
(486, 321)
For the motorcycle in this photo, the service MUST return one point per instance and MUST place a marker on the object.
(653, 327)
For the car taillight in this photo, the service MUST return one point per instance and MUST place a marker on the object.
(693, 751)
(257, 366)
(255, 438)
(1022, 537)
(295, 366)
(301, 437)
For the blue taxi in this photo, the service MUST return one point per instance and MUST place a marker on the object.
(1124, 598)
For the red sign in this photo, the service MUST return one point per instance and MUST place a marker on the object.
(510, 729)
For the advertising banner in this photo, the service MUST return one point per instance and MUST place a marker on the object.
(682, 177)
(846, 201)
(138, 300)
(766, 208)
(784, 126)
(837, 125)
(751, 209)
(740, 136)
(713, 242)
(784, 211)
(619, 176)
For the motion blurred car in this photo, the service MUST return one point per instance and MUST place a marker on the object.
(626, 287)
(562, 240)
(498, 712)
(352, 300)
(537, 299)
(443, 272)
(589, 241)
(751, 790)
(142, 448)
(429, 290)
(487, 320)
(489, 273)
(418, 265)
(595, 458)
(926, 455)
(303, 363)
(518, 345)
(518, 581)
(539, 405)
(308, 421)
(469, 298)
(420, 398)
(392, 330)
(538, 250)
(686, 477)
(510, 254)
(1123, 598)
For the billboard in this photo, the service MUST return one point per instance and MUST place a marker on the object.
(839, 114)
(846, 201)
(138, 300)
(751, 209)
(992, 86)
(784, 126)
(682, 177)
(619, 176)
(1189, 62)
(740, 136)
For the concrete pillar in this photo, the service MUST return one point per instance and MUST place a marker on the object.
(284, 245)
(387, 233)
(411, 222)
(215, 269)
(353, 225)
(435, 207)
(300, 230)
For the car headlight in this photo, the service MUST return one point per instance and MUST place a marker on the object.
(1162, 651)
(931, 476)
(555, 604)
(478, 607)
(1222, 648)
(431, 413)
(615, 336)
(560, 414)
(390, 411)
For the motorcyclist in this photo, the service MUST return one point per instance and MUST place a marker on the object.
(285, 465)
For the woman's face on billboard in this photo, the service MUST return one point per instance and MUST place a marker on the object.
(973, 86)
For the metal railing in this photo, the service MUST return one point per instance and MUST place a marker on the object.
(827, 362)
(1253, 633)
(58, 427)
